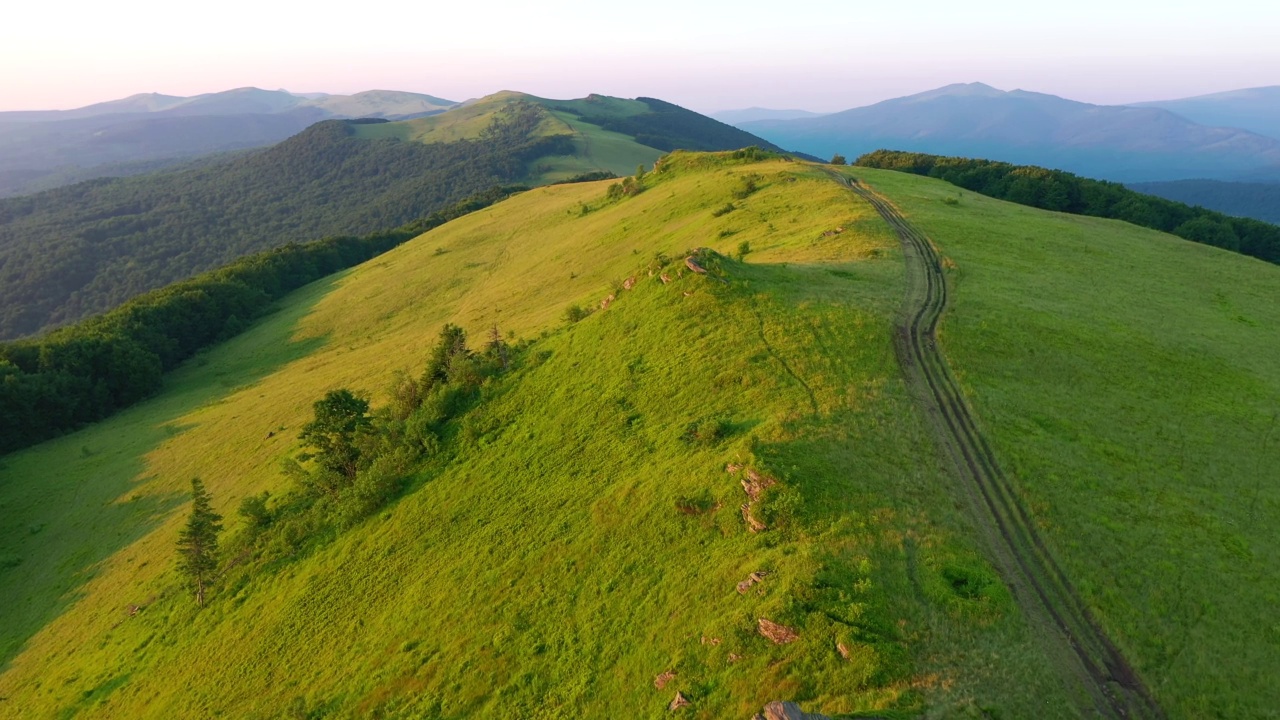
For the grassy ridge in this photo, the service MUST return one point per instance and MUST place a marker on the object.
(1127, 379)
(551, 547)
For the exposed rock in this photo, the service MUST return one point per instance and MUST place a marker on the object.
(787, 711)
(693, 265)
(752, 579)
(604, 304)
(661, 680)
(754, 483)
(752, 524)
(843, 650)
(779, 634)
(679, 701)
(629, 283)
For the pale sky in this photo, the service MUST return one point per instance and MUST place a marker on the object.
(708, 55)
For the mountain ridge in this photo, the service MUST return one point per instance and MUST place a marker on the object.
(976, 120)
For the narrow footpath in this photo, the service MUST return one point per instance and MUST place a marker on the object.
(1097, 675)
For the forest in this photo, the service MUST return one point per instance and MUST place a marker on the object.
(669, 127)
(1064, 192)
(75, 251)
(1260, 201)
(85, 372)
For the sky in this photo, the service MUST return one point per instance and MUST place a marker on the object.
(708, 55)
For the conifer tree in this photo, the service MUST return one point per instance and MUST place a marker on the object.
(198, 542)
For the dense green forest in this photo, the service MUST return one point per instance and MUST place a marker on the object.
(669, 127)
(84, 372)
(68, 253)
(1260, 201)
(1065, 192)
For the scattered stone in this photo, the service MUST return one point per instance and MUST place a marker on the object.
(629, 283)
(661, 680)
(843, 650)
(754, 483)
(734, 657)
(604, 304)
(839, 230)
(665, 278)
(786, 711)
(710, 641)
(693, 265)
(732, 468)
(752, 579)
(779, 634)
(753, 524)
(133, 610)
(678, 702)
(688, 293)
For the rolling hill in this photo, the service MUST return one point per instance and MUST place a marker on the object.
(40, 150)
(1125, 144)
(562, 523)
(71, 252)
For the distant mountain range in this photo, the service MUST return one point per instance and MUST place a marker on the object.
(1254, 109)
(1128, 144)
(733, 117)
(49, 148)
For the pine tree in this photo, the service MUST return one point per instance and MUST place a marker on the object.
(198, 542)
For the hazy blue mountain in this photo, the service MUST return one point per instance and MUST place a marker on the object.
(1253, 109)
(1127, 144)
(45, 149)
(1260, 201)
(752, 114)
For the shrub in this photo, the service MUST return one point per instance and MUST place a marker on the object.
(707, 431)
(574, 313)
(257, 516)
(724, 210)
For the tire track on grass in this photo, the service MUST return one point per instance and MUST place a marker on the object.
(1100, 679)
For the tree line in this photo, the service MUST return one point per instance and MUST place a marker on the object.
(85, 372)
(1065, 192)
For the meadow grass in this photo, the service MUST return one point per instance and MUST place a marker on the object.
(1129, 380)
(547, 568)
(594, 147)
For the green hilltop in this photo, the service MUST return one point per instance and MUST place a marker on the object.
(717, 484)
(79, 250)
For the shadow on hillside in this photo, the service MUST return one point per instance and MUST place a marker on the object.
(56, 531)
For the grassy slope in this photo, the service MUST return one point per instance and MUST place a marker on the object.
(1130, 382)
(594, 147)
(547, 570)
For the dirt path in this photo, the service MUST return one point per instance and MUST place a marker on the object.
(1097, 676)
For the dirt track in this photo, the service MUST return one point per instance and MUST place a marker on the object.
(1096, 674)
